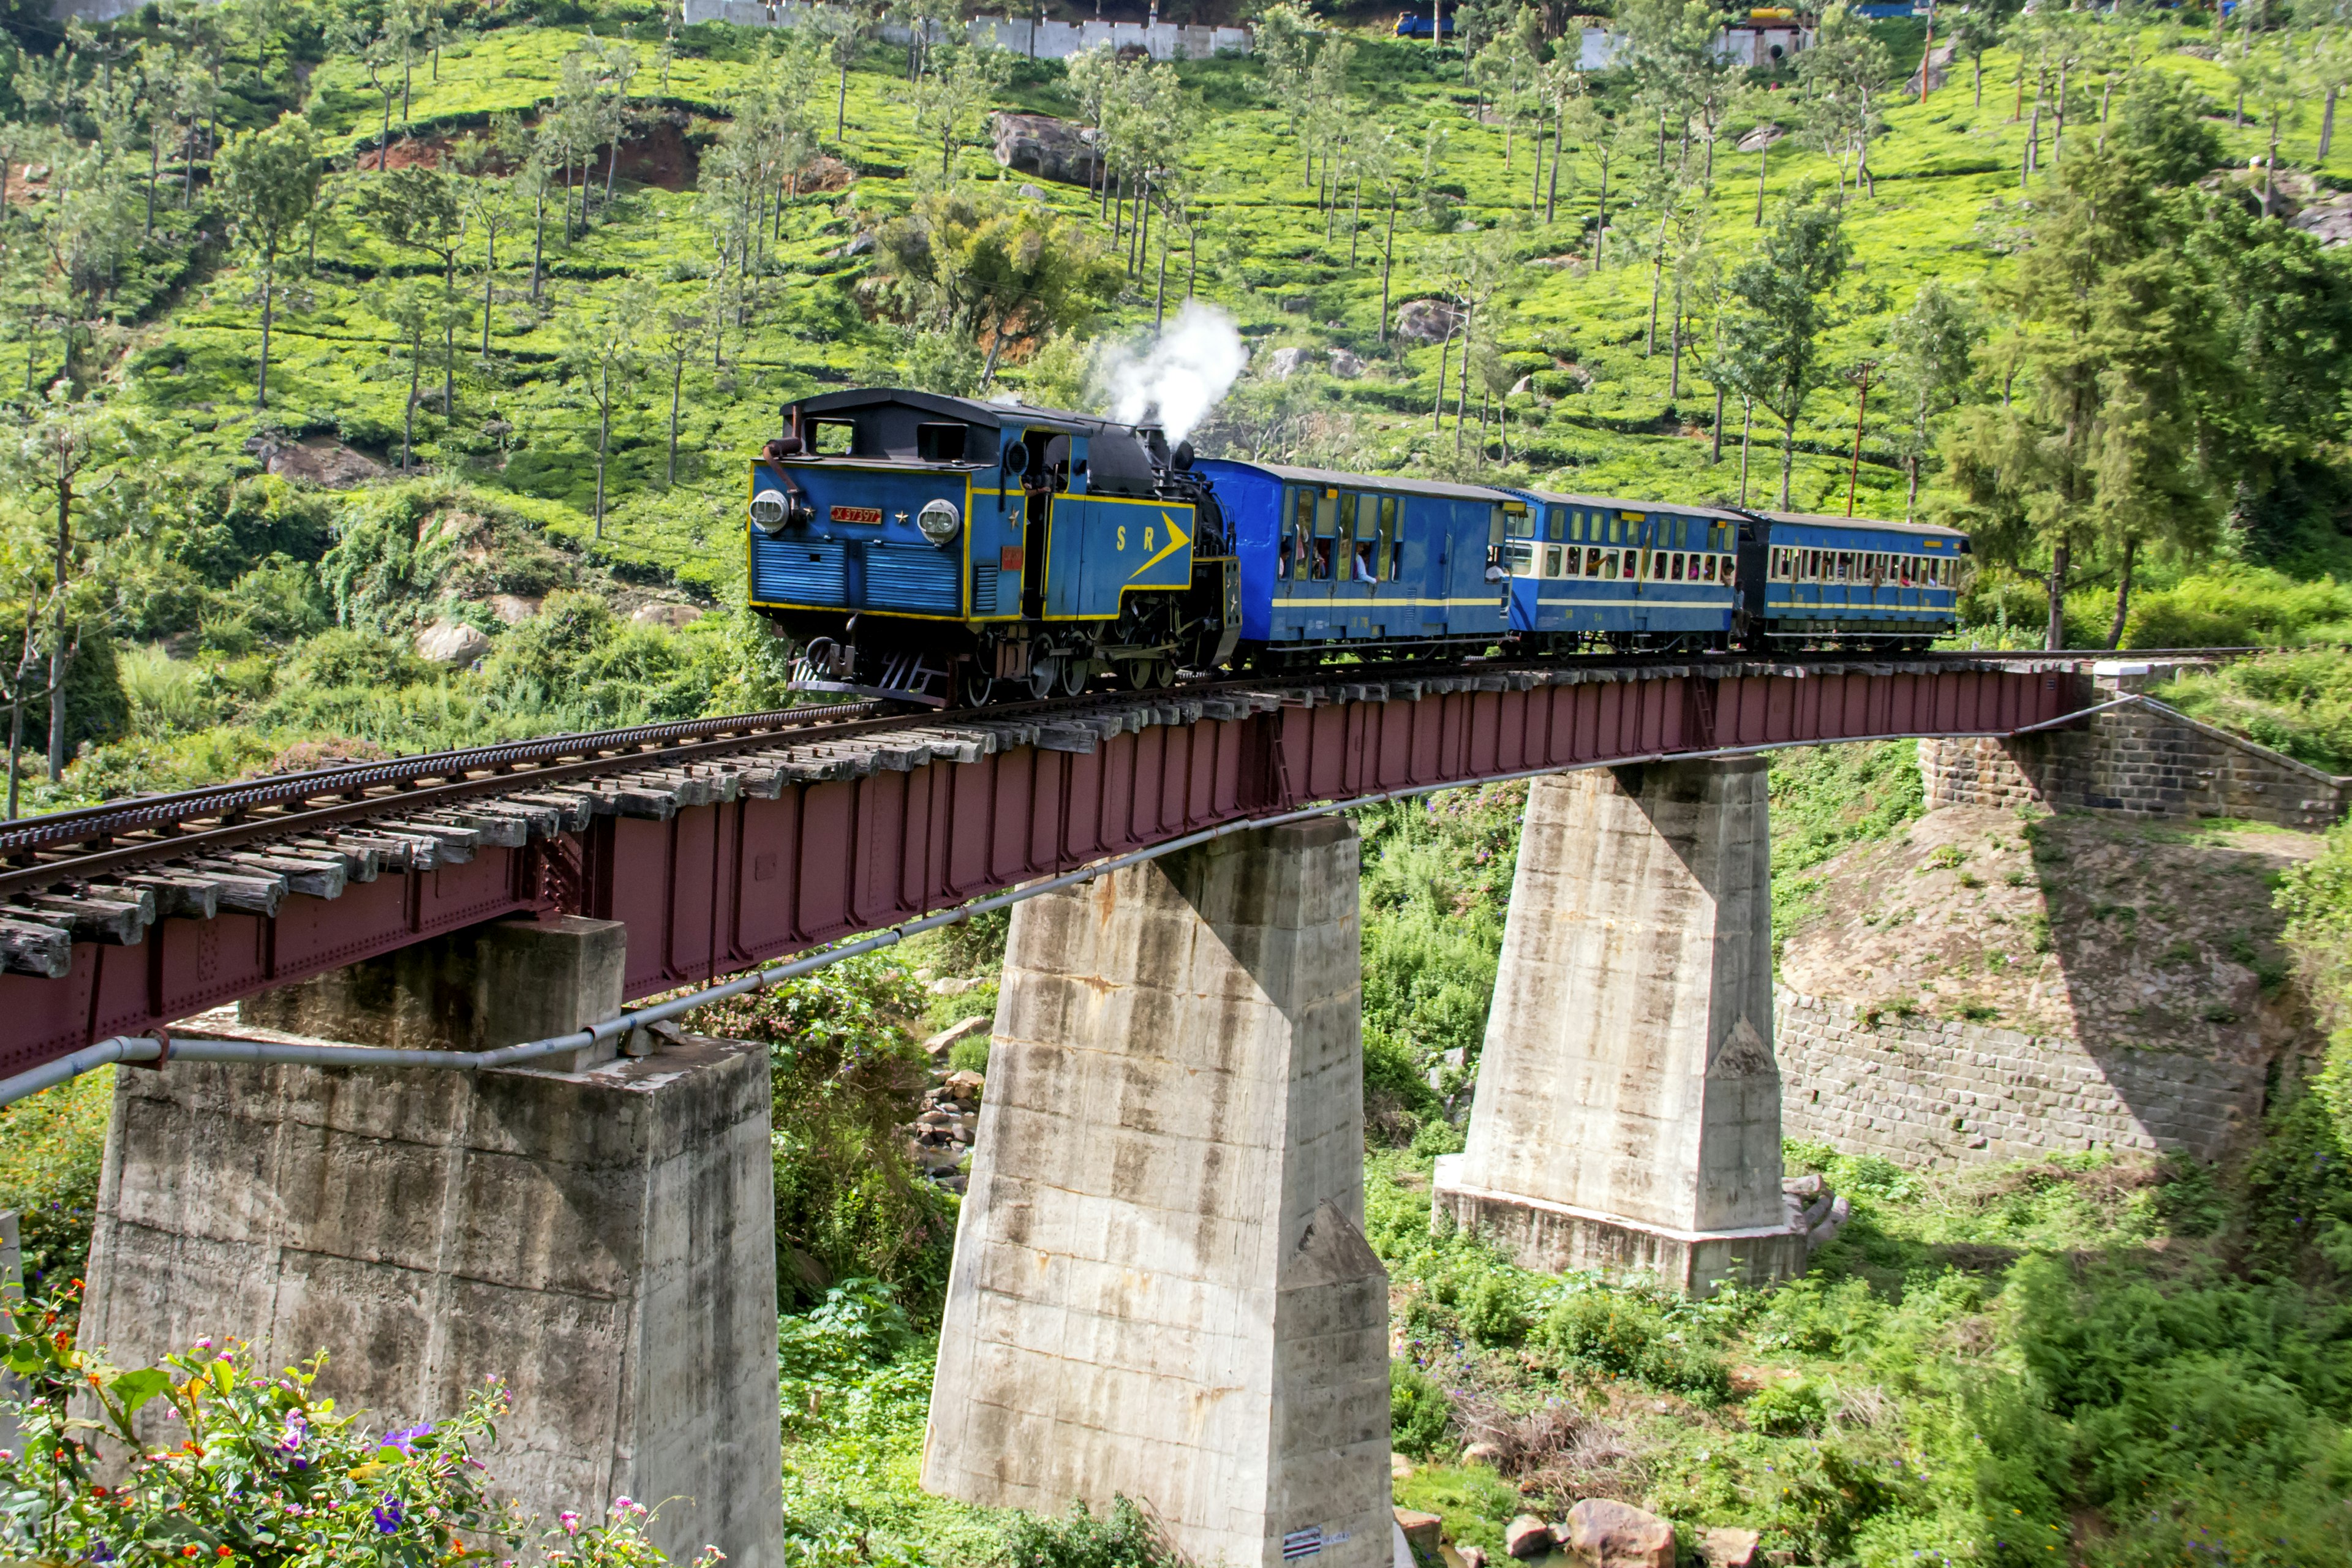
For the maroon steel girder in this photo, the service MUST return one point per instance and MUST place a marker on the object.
(719, 887)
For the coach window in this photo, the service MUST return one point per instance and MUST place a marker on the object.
(1327, 518)
(1302, 537)
(1392, 540)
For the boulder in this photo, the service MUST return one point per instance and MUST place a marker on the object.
(939, 1044)
(1346, 366)
(1423, 1531)
(1483, 1454)
(1528, 1537)
(1287, 363)
(1727, 1546)
(955, 985)
(1399, 1466)
(1033, 193)
(2329, 222)
(1825, 1230)
(1763, 136)
(1426, 320)
(1606, 1535)
(1472, 1556)
(515, 608)
(319, 460)
(859, 245)
(1523, 387)
(965, 1086)
(452, 642)
(677, 617)
(1042, 145)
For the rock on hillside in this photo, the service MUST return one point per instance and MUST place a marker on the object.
(2114, 933)
(1042, 145)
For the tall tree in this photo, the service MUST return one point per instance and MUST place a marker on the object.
(410, 309)
(2118, 340)
(1931, 367)
(945, 98)
(678, 334)
(602, 347)
(418, 208)
(992, 273)
(269, 181)
(61, 441)
(1780, 305)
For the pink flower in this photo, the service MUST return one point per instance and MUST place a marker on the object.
(569, 1521)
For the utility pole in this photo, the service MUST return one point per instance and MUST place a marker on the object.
(1860, 375)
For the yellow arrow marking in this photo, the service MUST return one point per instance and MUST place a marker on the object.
(1177, 539)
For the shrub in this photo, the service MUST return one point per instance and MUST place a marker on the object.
(365, 660)
(1619, 1333)
(1418, 1417)
(1496, 1311)
(1125, 1539)
(52, 1145)
(1786, 1410)
(2242, 607)
(267, 1472)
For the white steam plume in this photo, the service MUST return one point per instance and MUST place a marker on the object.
(1180, 375)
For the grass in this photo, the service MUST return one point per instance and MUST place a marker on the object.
(2299, 703)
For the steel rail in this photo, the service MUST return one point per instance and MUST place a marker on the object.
(195, 1048)
(504, 766)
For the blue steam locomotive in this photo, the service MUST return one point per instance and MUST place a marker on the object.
(942, 551)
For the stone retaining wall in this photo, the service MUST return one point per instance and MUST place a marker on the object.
(2140, 759)
(1923, 1092)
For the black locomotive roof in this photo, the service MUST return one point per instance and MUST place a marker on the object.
(970, 410)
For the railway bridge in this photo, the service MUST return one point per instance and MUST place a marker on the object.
(1160, 1286)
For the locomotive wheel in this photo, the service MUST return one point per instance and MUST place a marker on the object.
(978, 687)
(1163, 673)
(1042, 674)
(1074, 674)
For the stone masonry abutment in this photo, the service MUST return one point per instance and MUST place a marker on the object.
(1161, 1288)
(599, 1234)
(1627, 1115)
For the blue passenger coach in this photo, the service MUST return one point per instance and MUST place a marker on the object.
(939, 550)
(1809, 579)
(1349, 558)
(1592, 569)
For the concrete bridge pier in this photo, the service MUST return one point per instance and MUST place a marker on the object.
(600, 1234)
(1161, 1287)
(1627, 1116)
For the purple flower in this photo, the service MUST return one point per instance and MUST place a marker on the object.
(408, 1435)
(388, 1514)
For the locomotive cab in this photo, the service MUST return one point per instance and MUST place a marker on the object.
(931, 549)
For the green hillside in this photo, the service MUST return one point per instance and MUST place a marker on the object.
(789, 211)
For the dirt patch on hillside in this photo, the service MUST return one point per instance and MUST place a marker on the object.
(656, 153)
(2115, 933)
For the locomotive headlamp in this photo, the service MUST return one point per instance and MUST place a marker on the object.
(939, 521)
(769, 511)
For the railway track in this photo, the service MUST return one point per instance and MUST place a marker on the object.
(105, 873)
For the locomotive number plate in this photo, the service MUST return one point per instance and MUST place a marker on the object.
(854, 513)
